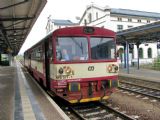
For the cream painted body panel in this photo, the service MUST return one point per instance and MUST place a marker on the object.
(80, 70)
(27, 62)
(37, 65)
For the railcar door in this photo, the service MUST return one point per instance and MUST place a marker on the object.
(47, 63)
(29, 61)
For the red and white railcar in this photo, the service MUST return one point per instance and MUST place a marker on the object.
(76, 63)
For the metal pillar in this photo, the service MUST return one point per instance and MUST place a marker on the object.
(127, 57)
(124, 45)
(138, 54)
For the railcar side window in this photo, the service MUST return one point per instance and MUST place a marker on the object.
(50, 51)
(71, 48)
(102, 48)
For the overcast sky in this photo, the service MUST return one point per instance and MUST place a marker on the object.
(69, 9)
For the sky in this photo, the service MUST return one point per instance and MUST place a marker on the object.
(70, 9)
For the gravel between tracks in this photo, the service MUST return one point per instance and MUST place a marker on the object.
(139, 107)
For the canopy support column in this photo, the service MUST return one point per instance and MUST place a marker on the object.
(127, 56)
(138, 43)
(124, 46)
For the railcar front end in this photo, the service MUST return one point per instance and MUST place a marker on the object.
(85, 66)
(84, 82)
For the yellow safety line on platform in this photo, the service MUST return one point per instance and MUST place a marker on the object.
(59, 110)
(26, 105)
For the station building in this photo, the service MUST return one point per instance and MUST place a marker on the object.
(117, 20)
(53, 24)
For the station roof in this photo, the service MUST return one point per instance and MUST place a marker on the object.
(62, 22)
(129, 12)
(17, 18)
(141, 34)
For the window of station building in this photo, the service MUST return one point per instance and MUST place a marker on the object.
(119, 27)
(85, 22)
(139, 20)
(120, 53)
(140, 52)
(96, 15)
(119, 19)
(90, 17)
(130, 26)
(149, 53)
(148, 21)
(129, 20)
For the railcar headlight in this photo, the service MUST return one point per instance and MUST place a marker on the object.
(112, 68)
(116, 68)
(68, 70)
(60, 71)
(109, 68)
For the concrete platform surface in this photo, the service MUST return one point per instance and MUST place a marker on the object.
(22, 99)
(144, 74)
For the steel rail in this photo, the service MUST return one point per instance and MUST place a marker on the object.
(108, 110)
(138, 85)
(142, 93)
(116, 113)
(76, 113)
(120, 114)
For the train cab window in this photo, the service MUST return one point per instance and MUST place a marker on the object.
(71, 48)
(102, 48)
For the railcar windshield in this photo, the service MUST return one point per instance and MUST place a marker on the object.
(102, 48)
(71, 48)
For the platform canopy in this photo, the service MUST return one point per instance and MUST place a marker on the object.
(17, 18)
(142, 34)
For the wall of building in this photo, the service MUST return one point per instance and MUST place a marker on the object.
(92, 16)
(102, 17)
(112, 21)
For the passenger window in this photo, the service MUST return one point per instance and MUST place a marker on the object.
(50, 50)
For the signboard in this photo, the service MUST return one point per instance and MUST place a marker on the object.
(4, 57)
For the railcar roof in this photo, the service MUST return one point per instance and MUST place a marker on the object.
(80, 30)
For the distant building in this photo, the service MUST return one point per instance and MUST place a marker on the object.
(53, 24)
(116, 20)
(121, 19)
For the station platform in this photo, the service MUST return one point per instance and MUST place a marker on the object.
(143, 74)
(21, 99)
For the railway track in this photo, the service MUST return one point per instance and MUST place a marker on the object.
(150, 92)
(147, 83)
(98, 111)
(88, 111)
